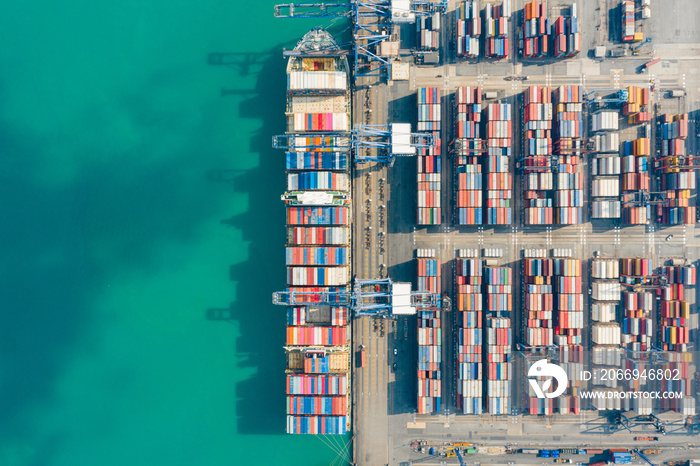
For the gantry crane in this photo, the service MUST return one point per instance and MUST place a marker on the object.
(373, 297)
(620, 96)
(677, 162)
(395, 140)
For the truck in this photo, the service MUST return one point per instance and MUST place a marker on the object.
(651, 63)
(646, 439)
(362, 358)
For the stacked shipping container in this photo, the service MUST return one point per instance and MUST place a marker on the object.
(674, 323)
(538, 291)
(568, 330)
(499, 339)
(627, 17)
(468, 148)
(635, 177)
(428, 31)
(539, 182)
(429, 340)
(500, 181)
(539, 31)
(536, 30)
(605, 168)
(566, 38)
(469, 281)
(677, 178)
(496, 26)
(636, 107)
(605, 331)
(468, 29)
(569, 131)
(429, 159)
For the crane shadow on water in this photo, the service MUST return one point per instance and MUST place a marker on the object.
(260, 397)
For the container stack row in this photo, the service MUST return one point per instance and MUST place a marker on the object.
(469, 281)
(637, 106)
(468, 151)
(539, 302)
(568, 133)
(605, 330)
(605, 171)
(538, 308)
(637, 305)
(428, 31)
(569, 323)
(675, 309)
(635, 178)
(318, 250)
(537, 163)
(468, 29)
(429, 340)
(674, 316)
(682, 365)
(499, 339)
(627, 18)
(536, 30)
(500, 181)
(496, 24)
(677, 177)
(636, 314)
(430, 159)
(607, 333)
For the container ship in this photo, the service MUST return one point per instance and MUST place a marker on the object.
(318, 204)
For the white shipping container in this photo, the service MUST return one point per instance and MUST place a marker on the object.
(605, 209)
(605, 268)
(607, 142)
(607, 355)
(604, 121)
(606, 166)
(606, 334)
(603, 312)
(606, 187)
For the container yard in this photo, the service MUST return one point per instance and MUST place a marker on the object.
(565, 237)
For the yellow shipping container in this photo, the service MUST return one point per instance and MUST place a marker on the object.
(638, 36)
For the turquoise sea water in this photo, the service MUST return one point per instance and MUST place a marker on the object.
(137, 200)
